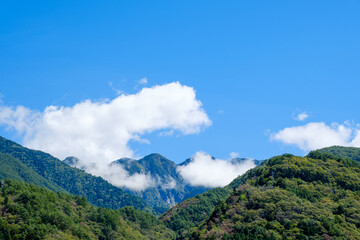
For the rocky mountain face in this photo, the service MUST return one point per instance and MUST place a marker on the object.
(168, 187)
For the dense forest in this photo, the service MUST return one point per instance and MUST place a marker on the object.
(31, 212)
(343, 152)
(12, 168)
(287, 197)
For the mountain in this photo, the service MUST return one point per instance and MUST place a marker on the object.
(168, 189)
(344, 152)
(32, 212)
(12, 168)
(286, 197)
(98, 191)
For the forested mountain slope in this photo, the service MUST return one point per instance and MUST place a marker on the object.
(192, 212)
(12, 168)
(344, 152)
(313, 197)
(98, 191)
(31, 212)
(288, 197)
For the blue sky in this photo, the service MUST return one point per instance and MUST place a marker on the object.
(255, 65)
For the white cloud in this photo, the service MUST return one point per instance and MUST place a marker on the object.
(143, 81)
(302, 116)
(22, 119)
(203, 170)
(317, 135)
(117, 91)
(99, 132)
(118, 176)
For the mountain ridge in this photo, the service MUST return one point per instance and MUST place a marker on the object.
(97, 190)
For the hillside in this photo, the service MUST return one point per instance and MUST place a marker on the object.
(344, 152)
(288, 197)
(32, 212)
(12, 168)
(98, 191)
(193, 211)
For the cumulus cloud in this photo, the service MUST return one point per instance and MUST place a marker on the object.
(97, 132)
(302, 116)
(317, 135)
(203, 170)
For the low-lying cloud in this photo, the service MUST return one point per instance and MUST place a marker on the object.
(203, 170)
(119, 177)
(317, 135)
(98, 132)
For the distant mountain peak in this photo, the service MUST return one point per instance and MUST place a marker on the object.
(154, 156)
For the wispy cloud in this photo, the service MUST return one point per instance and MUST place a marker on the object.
(116, 90)
(98, 132)
(143, 81)
(118, 176)
(203, 170)
(301, 116)
(317, 135)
